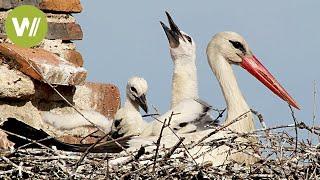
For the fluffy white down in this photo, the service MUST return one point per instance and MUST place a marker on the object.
(129, 116)
(187, 111)
(74, 120)
(131, 121)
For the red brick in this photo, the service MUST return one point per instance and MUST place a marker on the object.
(105, 98)
(61, 5)
(74, 57)
(47, 5)
(53, 68)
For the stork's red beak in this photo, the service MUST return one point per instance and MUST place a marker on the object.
(254, 67)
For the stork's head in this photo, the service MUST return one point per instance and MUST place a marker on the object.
(137, 89)
(235, 50)
(181, 44)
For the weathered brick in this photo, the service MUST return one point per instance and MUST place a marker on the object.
(64, 31)
(53, 69)
(73, 6)
(74, 57)
(105, 98)
(61, 5)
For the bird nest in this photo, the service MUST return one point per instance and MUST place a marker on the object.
(282, 154)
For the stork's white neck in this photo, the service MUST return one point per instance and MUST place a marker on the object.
(184, 80)
(236, 104)
(131, 105)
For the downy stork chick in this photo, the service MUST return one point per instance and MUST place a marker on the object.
(193, 114)
(128, 120)
(225, 49)
(136, 96)
(183, 53)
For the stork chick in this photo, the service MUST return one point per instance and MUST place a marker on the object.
(128, 120)
(192, 113)
(135, 90)
(183, 53)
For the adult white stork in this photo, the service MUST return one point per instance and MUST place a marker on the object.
(225, 49)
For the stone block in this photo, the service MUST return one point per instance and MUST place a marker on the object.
(14, 84)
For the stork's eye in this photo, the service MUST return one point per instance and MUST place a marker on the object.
(183, 124)
(133, 89)
(188, 38)
(238, 45)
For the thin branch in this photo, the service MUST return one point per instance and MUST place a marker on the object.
(158, 145)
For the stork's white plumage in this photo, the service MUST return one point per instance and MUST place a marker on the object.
(136, 90)
(68, 121)
(225, 49)
(128, 120)
(186, 117)
(183, 53)
(192, 113)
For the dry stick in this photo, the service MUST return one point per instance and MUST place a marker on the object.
(20, 168)
(219, 129)
(296, 131)
(154, 114)
(314, 107)
(169, 154)
(184, 146)
(295, 128)
(81, 141)
(87, 152)
(158, 144)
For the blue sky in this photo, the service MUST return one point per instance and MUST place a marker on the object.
(124, 38)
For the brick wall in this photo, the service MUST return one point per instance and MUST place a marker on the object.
(26, 72)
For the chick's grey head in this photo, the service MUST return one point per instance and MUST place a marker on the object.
(137, 89)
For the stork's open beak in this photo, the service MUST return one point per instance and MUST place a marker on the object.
(173, 33)
(254, 67)
(142, 101)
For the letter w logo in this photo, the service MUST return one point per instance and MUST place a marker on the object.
(25, 24)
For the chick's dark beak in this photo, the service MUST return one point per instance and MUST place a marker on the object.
(173, 37)
(173, 33)
(142, 102)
